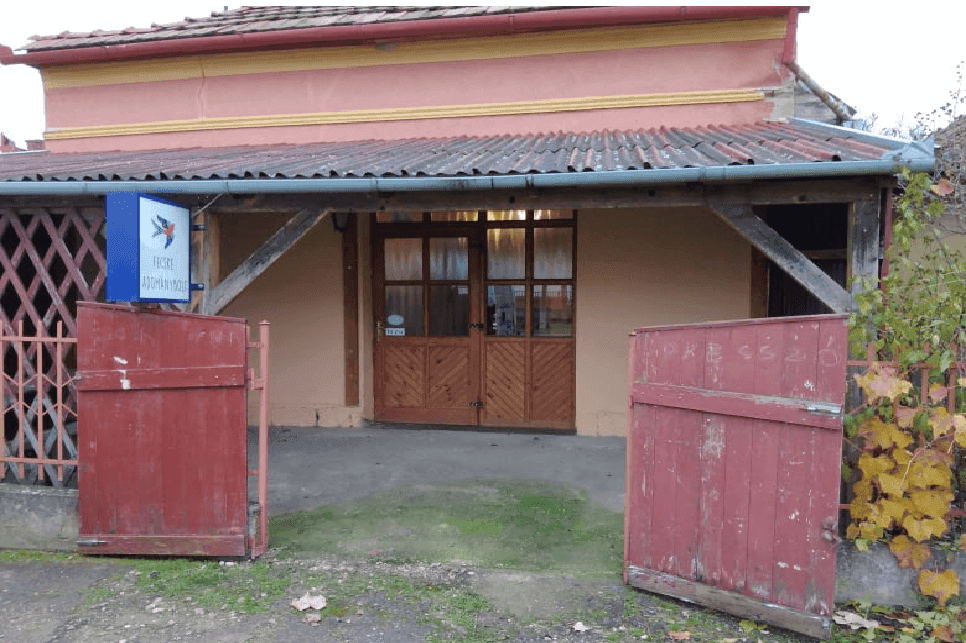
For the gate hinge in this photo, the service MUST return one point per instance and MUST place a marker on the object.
(477, 404)
(90, 542)
(823, 408)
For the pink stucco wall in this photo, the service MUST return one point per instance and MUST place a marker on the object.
(609, 73)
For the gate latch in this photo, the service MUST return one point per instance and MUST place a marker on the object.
(477, 404)
(478, 326)
(825, 409)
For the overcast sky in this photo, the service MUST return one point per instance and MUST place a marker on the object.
(883, 57)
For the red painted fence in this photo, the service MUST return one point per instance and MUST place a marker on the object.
(734, 453)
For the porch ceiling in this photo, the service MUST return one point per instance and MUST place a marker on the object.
(800, 146)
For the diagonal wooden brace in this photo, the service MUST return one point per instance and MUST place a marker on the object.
(259, 261)
(785, 256)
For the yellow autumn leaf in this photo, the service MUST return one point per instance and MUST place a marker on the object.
(893, 510)
(901, 456)
(941, 585)
(891, 485)
(923, 474)
(881, 381)
(910, 555)
(905, 416)
(871, 466)
(852, 532)
(959, 423)
(862, 490)
(941, 421)
(944, 633)
(937, 392)
(860, 509)
(923, 529)
(933, 503)
(883, 435)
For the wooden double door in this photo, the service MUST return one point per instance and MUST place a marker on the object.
(474, 319)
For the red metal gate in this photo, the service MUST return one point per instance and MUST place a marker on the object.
(162, 411)
(733, 466)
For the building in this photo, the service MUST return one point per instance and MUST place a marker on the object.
(511, 191)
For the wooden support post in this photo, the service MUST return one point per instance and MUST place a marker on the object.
(863, 244)
(785, 256)
(350, 310)
(259, 261)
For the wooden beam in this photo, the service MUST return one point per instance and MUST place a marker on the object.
(676, 195)
(863, 250)
(259, 261)
(785, 256)
(731, 602)
(350, 310)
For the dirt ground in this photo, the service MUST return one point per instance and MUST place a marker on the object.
(88, 600)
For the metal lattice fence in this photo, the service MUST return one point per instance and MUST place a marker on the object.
(50, 259)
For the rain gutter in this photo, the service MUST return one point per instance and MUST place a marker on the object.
(466, 26)
(382, 185)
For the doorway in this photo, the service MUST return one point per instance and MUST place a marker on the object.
(474, 318)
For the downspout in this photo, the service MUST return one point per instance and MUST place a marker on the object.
(382, 185)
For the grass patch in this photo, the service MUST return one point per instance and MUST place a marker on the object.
(247, 588)
(525, 525)
(15, 555)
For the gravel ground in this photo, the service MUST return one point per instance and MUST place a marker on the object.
(86, 600)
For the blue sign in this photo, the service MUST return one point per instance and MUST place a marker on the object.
(148, 249)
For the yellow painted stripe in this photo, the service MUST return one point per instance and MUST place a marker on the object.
(413, 113)
(517, 46)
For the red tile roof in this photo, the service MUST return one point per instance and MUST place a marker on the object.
(802, 142)
(259, 19)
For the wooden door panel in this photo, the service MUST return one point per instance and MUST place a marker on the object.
(403, 375)
(450, 379)
(552, 381)
(505, 380)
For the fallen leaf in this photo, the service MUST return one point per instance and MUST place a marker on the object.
(943, 188)
(580, 627)
(312, 619)
(944, 633)
(941, 585)
(309, 601)
(683, 635)
(854, 621)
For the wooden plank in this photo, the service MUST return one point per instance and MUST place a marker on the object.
(863, 242)
(686, 525)
(195, 545)
(791, 570)
(748, 405)
(733, 603)
(350, 310)
(260, 260)
(763, 492)
(162, 378)
(743, 220)
(711, 458)
(665, 481)
(736, 499)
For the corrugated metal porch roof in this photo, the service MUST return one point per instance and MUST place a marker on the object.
(794, 144)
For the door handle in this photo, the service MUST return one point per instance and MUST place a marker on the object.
(380, 330)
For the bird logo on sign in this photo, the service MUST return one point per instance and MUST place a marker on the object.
(165, 227)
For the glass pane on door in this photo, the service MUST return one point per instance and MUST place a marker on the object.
(449, 311)
(506, 310)
(506, 253)
(404, 259)
(449, 259)
(404, 311)
(553, 250)
(553, 311)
